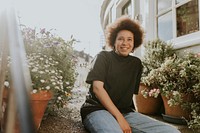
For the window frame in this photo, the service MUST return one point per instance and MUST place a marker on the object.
(120, 4)
(126, 7)
(181, 41)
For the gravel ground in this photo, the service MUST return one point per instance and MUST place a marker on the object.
(67, 119)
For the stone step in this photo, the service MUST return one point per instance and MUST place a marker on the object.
(181, 128)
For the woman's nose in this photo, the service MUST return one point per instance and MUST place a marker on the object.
(124, 42)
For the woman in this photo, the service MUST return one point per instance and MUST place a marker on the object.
(114, 78)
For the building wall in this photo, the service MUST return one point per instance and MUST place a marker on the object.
(146, 12)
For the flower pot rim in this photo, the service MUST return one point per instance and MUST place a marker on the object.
(42, 95)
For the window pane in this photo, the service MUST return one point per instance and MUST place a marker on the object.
(178, 1)
(164, 4)
(113, 14)
(165, 26)
(188, 18)
(127, 8)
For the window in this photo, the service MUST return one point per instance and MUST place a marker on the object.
(176, 18)
(187, 18)
(163, 5)
(112, 13)
(178, 1)
(165, 26)
(164, 19)
(127, 8)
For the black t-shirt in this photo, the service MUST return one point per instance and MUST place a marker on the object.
(121, 77)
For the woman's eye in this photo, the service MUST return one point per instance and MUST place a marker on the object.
(120, 39)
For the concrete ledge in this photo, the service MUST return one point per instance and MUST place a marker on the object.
(181, 128)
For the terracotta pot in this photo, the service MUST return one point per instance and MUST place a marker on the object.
(149, 105)
(177, 110)
(4, 107)
(39, 103)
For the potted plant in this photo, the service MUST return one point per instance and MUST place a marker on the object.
(43, 42)
(195, 106)
(45, 79)
(52, 69)
(154, 55)
(148, 101)
(195, 113)
(178, 79)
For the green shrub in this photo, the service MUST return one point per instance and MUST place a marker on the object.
(52, 46)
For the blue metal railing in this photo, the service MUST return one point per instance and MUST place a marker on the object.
(18, 101)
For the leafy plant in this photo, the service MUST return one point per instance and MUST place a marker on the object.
(154, 55)
(177, 76)
(48, 50)
(194, 123)
(44, 74)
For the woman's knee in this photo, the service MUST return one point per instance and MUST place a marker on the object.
(146, 124)
(101, 122)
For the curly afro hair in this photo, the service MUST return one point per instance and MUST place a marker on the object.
(124, 23)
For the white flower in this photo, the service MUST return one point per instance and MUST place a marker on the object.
(31, 63)
(60, 71)
(46, 66)
(175, 93)
(42, 81)
(67, 83)
(53, 71)
(47, 87)
(6, 84)
(41, 72)
(53, 77)
(52, 80)
(59, 98)
(34, 91)
(34, 70)
(46, 70)
(57, 88)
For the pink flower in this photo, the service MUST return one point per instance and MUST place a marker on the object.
(150, 93)
(198, 54)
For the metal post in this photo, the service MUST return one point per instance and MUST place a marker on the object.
(20, 75)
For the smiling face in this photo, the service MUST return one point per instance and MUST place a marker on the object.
(124, 43)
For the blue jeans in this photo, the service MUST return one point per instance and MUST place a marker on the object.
(103, 122)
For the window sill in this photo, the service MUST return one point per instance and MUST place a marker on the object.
(186, 40)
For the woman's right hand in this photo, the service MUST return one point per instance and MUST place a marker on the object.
(124, 124)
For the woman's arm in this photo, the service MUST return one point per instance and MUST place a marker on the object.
(105, 100)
